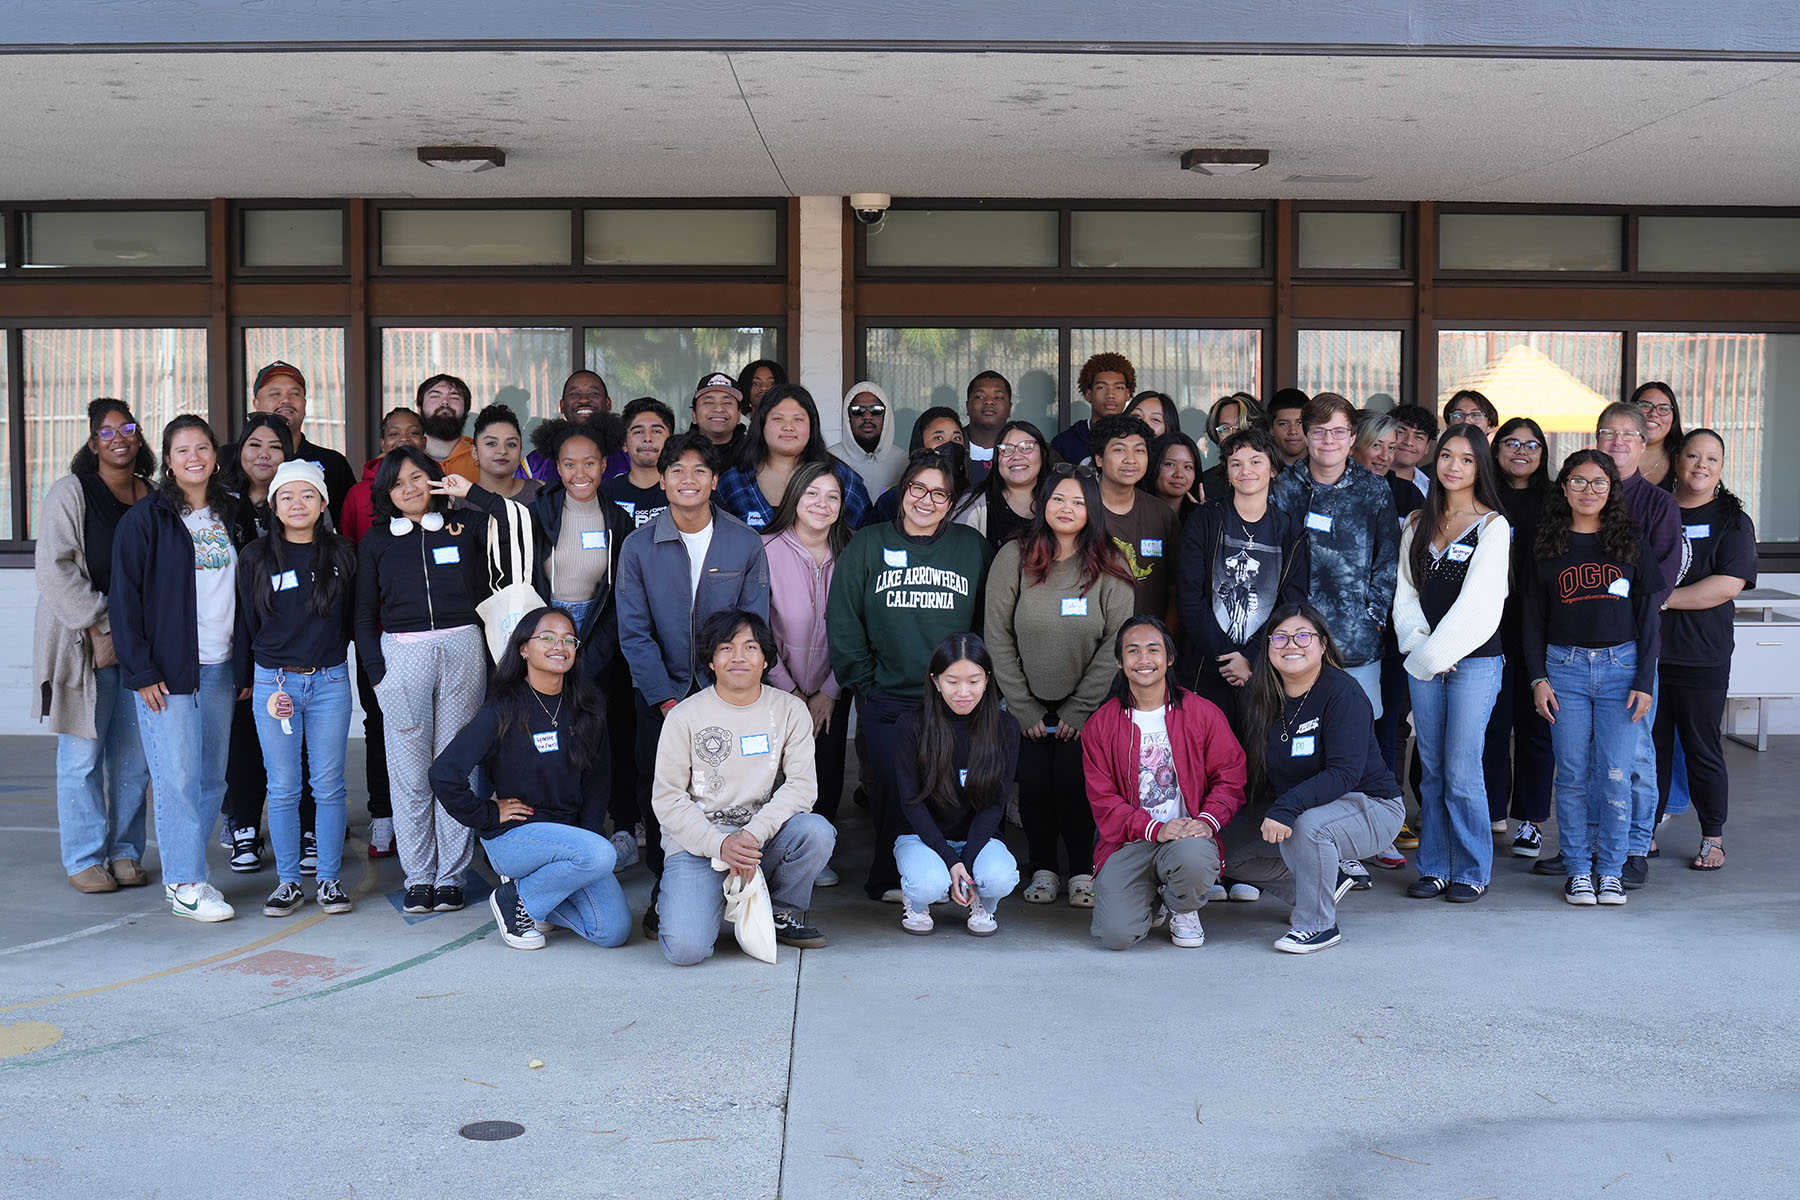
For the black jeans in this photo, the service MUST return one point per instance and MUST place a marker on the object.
(1518, 760)
(879, 712)
(1690, 705)
(1396, 703)
(374, 751)
(649, 732)
(622, 802)
(830, 749)
(1053, 805)
(247, 779)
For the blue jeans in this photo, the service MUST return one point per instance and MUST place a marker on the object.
(1451, 713)
(186, 745)
(564, 874)
(925, 878)
(1368, 678)
(101, 782)
(1644, 793)
(321, 722)
(692, 900)
(1595, 743)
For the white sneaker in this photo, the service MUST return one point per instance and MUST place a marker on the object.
(1185, 930)
(200, 902)
(915, 920)
(893, 896)
(1217, 892)
(1244, 892)
(1081, 891)
(1043, 888)
(381, 835)
(827, 877)
(626, 847)
(981, 917)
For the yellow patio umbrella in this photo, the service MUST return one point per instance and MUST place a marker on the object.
(1524, 382)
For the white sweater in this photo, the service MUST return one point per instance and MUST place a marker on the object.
(1474, 616)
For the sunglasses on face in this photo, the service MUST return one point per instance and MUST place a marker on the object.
(868, 410)
(1522, 444)
(108, 432)
(1302, 639)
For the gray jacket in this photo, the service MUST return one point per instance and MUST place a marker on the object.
(658, 617)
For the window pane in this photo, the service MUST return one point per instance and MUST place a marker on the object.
(6, 511)
(922, 368)
(319, 354)
(1167, 239)
(667, 363)
(475, 237)
(1718, 244)
(1530, 242)
(1195, 366)
(160, 373)
(961, 237)
(1362, 364)
(115, 241)
(722, 237)
(1745, 387)
(521, 368)
(293, 237)
(1561, 378)
(1351, 241)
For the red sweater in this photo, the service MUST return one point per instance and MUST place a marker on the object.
(1209, 767)
(359, 509)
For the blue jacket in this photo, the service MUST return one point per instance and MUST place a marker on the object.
(1354, 541)
(156, 632)
(656, 618)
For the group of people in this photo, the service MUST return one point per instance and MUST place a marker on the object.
(625, 637)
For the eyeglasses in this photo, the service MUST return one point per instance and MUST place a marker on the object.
(918, 491)
(1618, 435)
(1522, 444)
(1074, 471)
(1329, 437)
(108, 432)
(1226, 428)
(1661, 410)
(1016, 449)
(1465, 416)
(868, 410)
(1579, 483)
(551, 641)
(1302, 639)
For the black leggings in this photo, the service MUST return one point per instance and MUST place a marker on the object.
(247, 778)
(1518, 760)
(1690, 705)
(1053, 805)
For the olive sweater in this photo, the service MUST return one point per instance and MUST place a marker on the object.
(1052, 641)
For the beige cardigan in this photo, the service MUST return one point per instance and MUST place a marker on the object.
(62, 661)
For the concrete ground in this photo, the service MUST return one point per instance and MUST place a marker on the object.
(1513, 1048)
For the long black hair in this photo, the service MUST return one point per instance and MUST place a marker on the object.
(388, 474)
(1539, 480)
(1428, 518)
(756, 450)
(994, 485)
(1264, 697)
(1671, 440)
(916, 441)
(509, 691)
(231, 458)
(1161, 447)
(747, 376)
(333, 567)
(1093, 549)
(1121, 686)
(935, 751)
(1171, 414)
(955, 477)
(788, 513)
(1619, 534)
(168, 491)
(1729, 504)
(86, 462)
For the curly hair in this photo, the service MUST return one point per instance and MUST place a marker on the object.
(1106, 361)
(1619, 533)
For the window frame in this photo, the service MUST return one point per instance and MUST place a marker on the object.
(17, 212)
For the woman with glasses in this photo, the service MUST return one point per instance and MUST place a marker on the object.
(900, 588)
(1697, 638)
(1057, 595)
(1003, 505)
(1174, 476)
(541, 737)
(101, 776)
(1662, 433)
(1590, 647)
(1228, 415)
(784, 436)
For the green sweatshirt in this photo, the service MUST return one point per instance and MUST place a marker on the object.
(894, 599)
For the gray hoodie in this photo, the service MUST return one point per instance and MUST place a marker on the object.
(880, 469)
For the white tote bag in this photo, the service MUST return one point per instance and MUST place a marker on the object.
(513, 595)
(750, 911)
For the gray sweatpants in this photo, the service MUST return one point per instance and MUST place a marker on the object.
(1305, 866)
(1138, 876)
(431, 690)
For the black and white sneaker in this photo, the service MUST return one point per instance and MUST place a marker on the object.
(1528, 842)
(1580, 890)
(1466, 893)
(309, 854)
(447, 899)
(332, 898)
(246, 850)
(284, 901)
(1612, 890)
(1358, 874)
(418, 899)
(1427, 887)
(1295, 942)
(792, 930)
(517, 929)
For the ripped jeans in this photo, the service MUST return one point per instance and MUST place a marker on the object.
(1595, 742)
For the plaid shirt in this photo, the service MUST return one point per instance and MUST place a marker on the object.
(739, 496)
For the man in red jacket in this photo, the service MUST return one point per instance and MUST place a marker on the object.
(1164, 775)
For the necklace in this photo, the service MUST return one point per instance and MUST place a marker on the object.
(1298, 705)
(554, 716)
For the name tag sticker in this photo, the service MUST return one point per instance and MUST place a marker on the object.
(443, 556)
(893, 558)
(1303, 747)
(284, 581)
(545, 742)
(755, 520)
(1318, 521)
(630, 507)
(962, 777)
(752, 744)
(1620, 587)
(1695, 532)
(1460, 552)
(1150, 548)
(1074, 606)
(593, 539)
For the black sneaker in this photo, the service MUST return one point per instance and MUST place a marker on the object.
(284, 901)
(1295, 942)
(1427, 887)
(1636, 873)
(447, 899)
(1612, 890)
(1358, 873)
(418, 899)
(651, 923)
(332, 898)
(517, 929)
(246, 850)
(1465, 893)
(1549, 866)
(1579, 890)
(1528, 842)
(791, 930)
(309, 854)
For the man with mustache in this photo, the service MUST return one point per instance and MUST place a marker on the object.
(443, 404)
(280, 389)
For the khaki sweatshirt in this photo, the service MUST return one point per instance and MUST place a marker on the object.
(721, 768)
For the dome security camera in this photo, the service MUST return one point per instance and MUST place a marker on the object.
(870, 206)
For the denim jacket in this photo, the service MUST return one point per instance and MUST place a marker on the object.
(1355, 547)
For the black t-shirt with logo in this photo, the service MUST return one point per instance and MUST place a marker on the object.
(641, 504)
(1722, 541)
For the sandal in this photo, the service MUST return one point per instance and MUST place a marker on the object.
(1707, 846)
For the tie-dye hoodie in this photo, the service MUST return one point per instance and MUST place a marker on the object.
(1355, 544)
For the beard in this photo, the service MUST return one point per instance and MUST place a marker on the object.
(443, 428)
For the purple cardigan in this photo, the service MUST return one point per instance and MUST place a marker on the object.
(798, 586)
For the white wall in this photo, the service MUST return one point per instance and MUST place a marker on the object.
(821, 333)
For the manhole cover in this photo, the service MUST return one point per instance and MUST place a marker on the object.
(491, 1131)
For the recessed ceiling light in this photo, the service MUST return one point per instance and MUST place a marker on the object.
(464, 160)
(1224, 161)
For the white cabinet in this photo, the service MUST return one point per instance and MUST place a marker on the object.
(1765, 660)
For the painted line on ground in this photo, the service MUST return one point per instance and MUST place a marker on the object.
(90, 931)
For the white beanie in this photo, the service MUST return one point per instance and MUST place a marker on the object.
(299, 471)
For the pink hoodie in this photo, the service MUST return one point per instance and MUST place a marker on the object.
(798, 587)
